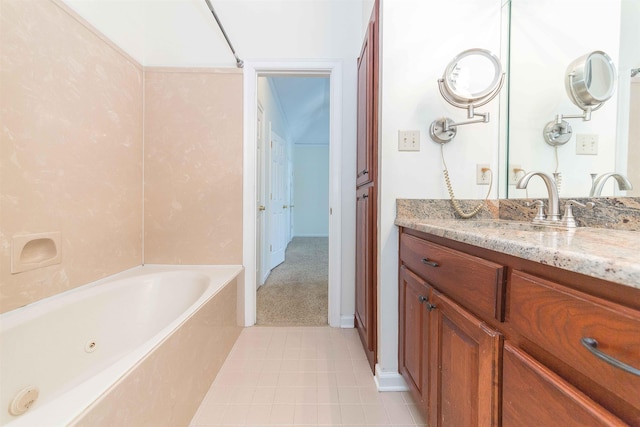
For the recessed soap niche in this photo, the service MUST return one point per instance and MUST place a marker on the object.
(31, 251)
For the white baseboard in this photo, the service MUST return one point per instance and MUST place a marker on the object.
(389, 381)
(347, 322)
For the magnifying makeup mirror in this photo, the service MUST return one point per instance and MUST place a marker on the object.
(473, 78)
(589, 82)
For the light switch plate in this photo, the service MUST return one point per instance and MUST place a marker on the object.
(408, 140)
(587, 144)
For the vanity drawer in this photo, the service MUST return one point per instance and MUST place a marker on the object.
(471, 281)
(558, 319)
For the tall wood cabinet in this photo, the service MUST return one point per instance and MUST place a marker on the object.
(366, 190)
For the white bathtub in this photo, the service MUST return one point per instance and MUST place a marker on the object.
(92, 351)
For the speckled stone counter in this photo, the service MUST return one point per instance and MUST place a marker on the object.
(620, 213)
(612, 255)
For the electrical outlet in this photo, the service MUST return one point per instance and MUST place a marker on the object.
(515, 173)
(483, 174)
(587, 144)
(408, 140)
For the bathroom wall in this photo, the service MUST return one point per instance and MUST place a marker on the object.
(634, 139)
(71, 144)
(193, 166)
(419, 39)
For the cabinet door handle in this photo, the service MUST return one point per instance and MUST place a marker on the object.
(365, 196)
(592, 345)
(363, 172)
(425, 299)
(427, 261)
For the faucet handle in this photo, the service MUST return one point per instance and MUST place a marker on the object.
(568, 219)
(539, 204)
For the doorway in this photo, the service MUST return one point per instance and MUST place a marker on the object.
(252, 71)
(292, 287)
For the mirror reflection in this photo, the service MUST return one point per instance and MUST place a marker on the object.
(599, 77)
(599, 157)
(473, 75)
(590, 79)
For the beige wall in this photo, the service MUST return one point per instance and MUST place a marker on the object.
(193, 167)
(71, 155)
(71, 144)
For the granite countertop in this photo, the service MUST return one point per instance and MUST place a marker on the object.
(612, 255)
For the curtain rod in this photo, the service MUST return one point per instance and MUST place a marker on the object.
(239, 62)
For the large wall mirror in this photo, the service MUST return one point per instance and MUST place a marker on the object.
(546, 37)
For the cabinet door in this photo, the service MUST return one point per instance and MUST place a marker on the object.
(464, 365)
(532, 395)
(367, 123)
(365, 320)
(414, 335)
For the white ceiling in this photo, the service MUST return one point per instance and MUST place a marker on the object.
(305, 104)
(183, 33)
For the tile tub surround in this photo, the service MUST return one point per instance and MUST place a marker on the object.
(602, 253)
(71, 144)
(90, 140)
(291, 376)
(193, 166)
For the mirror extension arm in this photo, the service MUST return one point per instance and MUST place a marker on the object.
(444, 129)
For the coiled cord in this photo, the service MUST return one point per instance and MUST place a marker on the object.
(557, 175)
(454, 202)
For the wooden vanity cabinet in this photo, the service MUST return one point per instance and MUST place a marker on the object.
(414, 324)
(534, 396)
(448, 356)
(522, 363)
(464, 359)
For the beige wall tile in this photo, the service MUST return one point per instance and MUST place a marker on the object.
(71, 149)
(193, 167)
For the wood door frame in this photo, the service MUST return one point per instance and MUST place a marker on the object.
(252, 69)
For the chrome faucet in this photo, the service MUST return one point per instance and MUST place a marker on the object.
(598, 183)
(553, 214)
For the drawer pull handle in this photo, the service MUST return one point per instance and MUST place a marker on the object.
(592, 345)
(425, 299)
(427, 261)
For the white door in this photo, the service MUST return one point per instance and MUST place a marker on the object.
(262, 269)
(278, 200)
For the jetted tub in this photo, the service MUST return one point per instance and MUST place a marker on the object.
(138, 348)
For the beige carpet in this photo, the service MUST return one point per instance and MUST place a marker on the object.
(295, 294)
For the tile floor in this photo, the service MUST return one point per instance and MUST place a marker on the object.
(301, 376)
